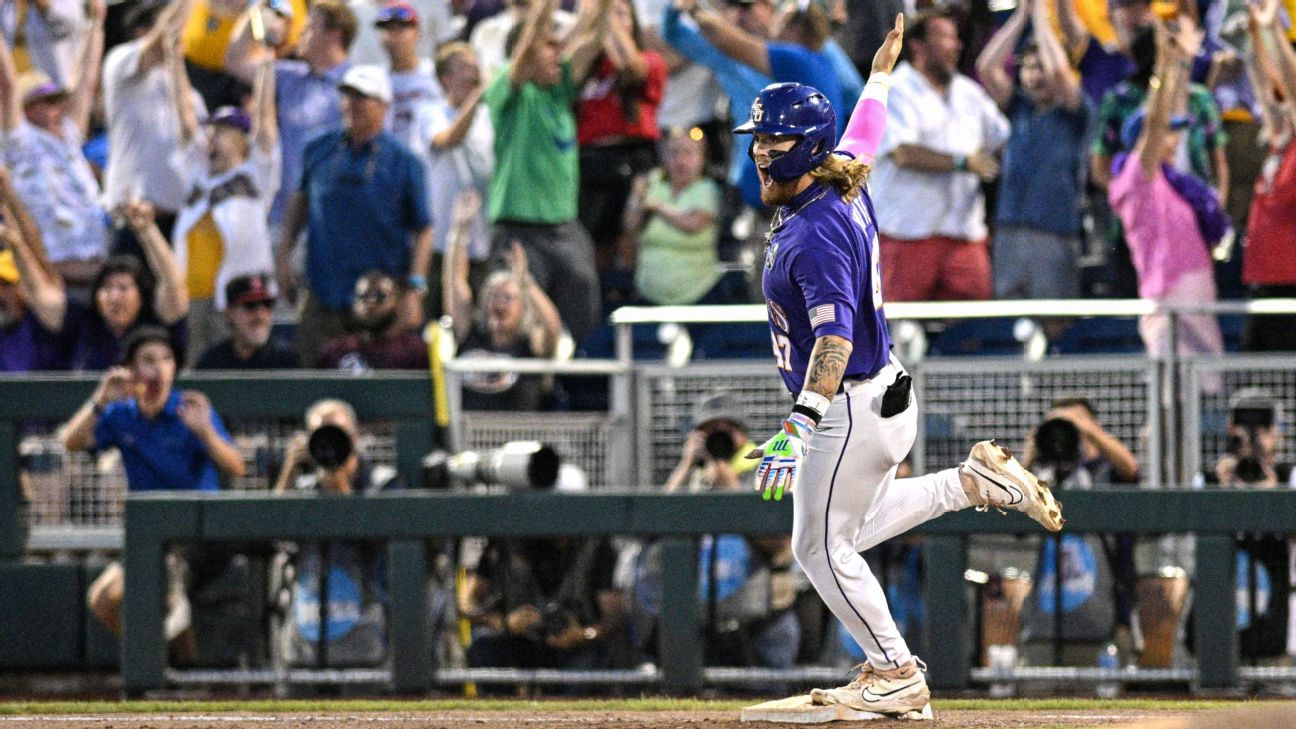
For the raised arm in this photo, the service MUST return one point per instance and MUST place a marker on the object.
(990, 64)
(1173, 64)
(729, 39)
(453, 135)
(11, 114)
(544, 337)
(247, 52)
(265, 119)
(864, 130)
(586, 46)
(1074, 35)
(1282, 55)
(181, 93)
(44, 292)
(1264, 72)
(17, 212)
(171, 299)
(539, 23)
(456, 294)
(83, 94)
(77, 434)
(625, 55)
(166, 30)
(1057, 68)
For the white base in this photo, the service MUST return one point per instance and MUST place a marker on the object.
(801, 710)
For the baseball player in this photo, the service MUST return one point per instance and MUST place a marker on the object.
(854, 417)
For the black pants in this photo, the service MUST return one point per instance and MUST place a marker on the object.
(561, 258)
(1270, 333)
(606, 176)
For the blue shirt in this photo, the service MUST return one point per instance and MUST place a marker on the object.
(28, 346)
(791, 62)
(822, 276)
(306, 102)
(741, 83)
(363, 205)
(162, 453)
(1043, 165)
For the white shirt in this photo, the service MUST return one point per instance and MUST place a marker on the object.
(54, 38)
(143, 132)
(410, 91)
(55, 182)
(913, 204)
(490, 36)
(239, 200)
(450, 171)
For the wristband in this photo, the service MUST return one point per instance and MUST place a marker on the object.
(812, 405)
(960, 163)
(879, 77)
(418, 282)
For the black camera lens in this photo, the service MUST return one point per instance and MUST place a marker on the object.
(1249, 471)
(329, 447)
(720, 446)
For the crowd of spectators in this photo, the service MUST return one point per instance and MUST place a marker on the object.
(314, 147)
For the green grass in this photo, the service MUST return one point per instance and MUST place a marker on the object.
(641, 704)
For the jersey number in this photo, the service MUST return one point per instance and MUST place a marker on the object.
(782, 351)
(859, 213)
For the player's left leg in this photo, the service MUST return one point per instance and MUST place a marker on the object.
(851, 462)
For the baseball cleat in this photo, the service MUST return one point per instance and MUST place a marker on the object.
(1004, 483)
(904, 696)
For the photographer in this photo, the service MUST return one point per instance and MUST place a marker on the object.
(1264, 576)
(713, 456)
(1071, 450)
(326, 458)
(747, 581)
(1251, 461)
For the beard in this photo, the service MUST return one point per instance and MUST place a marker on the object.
(379, 323)
(778, 193)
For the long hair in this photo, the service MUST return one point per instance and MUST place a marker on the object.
(847, 176)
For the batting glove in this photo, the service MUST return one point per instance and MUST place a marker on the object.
(781, 456)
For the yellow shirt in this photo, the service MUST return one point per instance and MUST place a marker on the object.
(206, 250)
(1291, 13)
(207, 36)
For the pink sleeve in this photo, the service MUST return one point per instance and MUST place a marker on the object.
(864, 131)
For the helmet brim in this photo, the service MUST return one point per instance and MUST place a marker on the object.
(747, 127)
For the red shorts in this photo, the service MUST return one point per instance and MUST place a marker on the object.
(935, 269)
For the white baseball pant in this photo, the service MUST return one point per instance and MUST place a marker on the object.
(847, 499)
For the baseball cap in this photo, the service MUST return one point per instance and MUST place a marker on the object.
(1133, 126)
(719, 405)
(231, 116)
(397, 11)
(250, 289)
(8, 267)
(369, 81)
(35, 86)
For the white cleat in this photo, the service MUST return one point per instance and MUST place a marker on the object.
(897, 696)
(1004, 483)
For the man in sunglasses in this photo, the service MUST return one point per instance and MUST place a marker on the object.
(378, 340)
(249, 303)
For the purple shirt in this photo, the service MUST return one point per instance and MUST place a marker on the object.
(1101, 69)
(28, 347)
(92, 346)
(822, 277)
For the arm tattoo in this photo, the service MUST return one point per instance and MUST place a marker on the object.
(827, 365)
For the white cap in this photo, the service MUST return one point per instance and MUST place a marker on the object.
(368, 80)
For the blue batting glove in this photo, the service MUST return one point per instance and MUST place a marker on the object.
(781, 456)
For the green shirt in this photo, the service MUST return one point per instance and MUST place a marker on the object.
(675, 267)
(536, 162)
(1204, 135)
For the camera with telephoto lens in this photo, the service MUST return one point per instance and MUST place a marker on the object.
(555, 618)
(1245, 446)
(1057, 449)
(519, 464)
(720, 446)
(329, 447)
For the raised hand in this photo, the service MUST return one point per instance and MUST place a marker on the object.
(887, 55)
(195, 411)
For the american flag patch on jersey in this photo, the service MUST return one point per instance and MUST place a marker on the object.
(822, 314)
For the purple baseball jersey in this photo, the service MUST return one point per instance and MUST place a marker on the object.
(822, 277)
